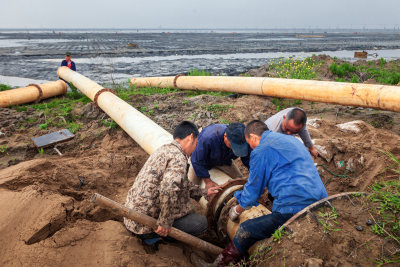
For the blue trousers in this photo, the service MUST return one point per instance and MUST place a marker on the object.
(256, 229)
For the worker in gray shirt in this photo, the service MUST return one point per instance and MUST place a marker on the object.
(292, 121)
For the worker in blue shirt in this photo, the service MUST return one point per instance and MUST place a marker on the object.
(68, 62)
(218, 145)
(283, 165)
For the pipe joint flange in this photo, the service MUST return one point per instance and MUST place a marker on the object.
(40, 91)
(96, 96)
(212, 218)
(176, 78)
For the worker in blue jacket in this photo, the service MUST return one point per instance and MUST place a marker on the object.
(218, 145)
(67, 62)
(283, 165)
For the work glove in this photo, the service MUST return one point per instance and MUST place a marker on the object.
(233, 214)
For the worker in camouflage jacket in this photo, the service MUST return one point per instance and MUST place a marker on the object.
(162, 190)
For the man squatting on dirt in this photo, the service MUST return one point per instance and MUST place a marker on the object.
(162, 190)
(283, 165)
(218, 145)
(292, 121)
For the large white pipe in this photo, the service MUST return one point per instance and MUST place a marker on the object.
(377, 96)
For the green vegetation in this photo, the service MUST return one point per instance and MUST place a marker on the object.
(41, 150)
(197, 72)
(328, 219)
(57, 111)
(383, 72)
(4, 87)
(125, 93)
(281, 103)
(342, 70)
(385, 210)
(73, 127)
(277, 235)
(295, 69)
(387, 195)
(224, 121)
(3, 149)
(43, 126)
(109, 123)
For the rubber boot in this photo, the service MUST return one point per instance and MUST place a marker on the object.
(229, 255)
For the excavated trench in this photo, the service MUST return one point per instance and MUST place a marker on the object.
(47, 218)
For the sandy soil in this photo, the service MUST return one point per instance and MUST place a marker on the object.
(47, 219)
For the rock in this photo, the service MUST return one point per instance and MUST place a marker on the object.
(359, 228)
(324, 148)
(352, 126)
(313, 262)
(369, 222)
(268, 104)
(90, 112)
(316, 123)
(350, 164)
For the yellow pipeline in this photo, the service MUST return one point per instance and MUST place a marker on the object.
(31, 93)
(384, 97)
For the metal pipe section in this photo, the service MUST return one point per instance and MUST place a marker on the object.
(376, 96)
(31, 93)
(144, 131)
(152, 223)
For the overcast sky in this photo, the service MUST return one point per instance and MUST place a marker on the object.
(199, 14)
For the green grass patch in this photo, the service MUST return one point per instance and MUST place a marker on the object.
(125, 92)
(4, 87)
(57, 111)
(197, 72)
(382, 71)
(342, 70)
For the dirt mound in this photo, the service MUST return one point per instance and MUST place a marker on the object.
(51, 221)
(351, 154)
(338, 234)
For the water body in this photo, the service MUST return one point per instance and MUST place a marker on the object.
(105, 56)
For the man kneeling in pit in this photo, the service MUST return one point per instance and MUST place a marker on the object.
(163, 191)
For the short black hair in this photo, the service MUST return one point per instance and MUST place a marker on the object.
(298, 116)
(184, 129)
(256, 127)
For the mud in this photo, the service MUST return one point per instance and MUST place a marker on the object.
(105, 55)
